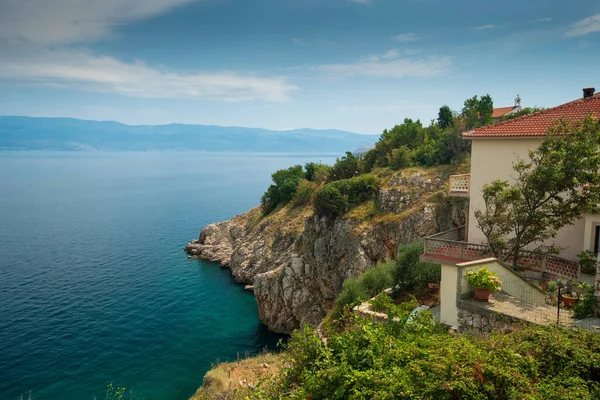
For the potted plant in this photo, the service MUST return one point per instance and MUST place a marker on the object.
(484, 282)
(569, 299)
(552, 292)
(571, 294)
(587, 262)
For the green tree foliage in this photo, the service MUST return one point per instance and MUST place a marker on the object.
(524, 111)
(412, 359)
(285, 182)
(336, 198)
(552, 189)
(304, 193)
(477, 111)
(445, 117)
(410, 143)
(406, 272)
(367, 285)
(400, 158)
(344, 168)
(317, 172)
(412, 274)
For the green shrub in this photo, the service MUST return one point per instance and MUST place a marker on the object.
(382, 303)
(345, 168)
(401, 360)
(587, 306)
(400, 158)
(367, 285)
(352, 294)
(411, 273)
(587, 262)
(304, 193)
(285, 182)
(317, 172)
(336, 198)
(330, 202)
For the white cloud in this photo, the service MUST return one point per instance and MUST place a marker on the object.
(79, 69)
(389, 65)
(365, 2)
(545, 19)
(581, 46)
(72, 21)
(484, 27)
(299, 42)
(406, 37)
(585, 26)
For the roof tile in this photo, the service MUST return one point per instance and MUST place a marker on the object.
(537, 124)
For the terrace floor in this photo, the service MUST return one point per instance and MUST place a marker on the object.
(505, 304)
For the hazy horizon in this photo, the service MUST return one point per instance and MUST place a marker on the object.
(355, 65)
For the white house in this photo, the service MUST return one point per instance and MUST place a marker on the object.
(493, 152)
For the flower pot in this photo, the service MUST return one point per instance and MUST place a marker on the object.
(569, 302)
(482, 294)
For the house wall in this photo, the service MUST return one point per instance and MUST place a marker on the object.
(448, 291)
(493, 159)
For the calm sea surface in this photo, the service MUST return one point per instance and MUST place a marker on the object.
(94, 284)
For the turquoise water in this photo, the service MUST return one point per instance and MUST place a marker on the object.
(94, 285)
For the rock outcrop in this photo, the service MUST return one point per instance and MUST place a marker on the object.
(297, 261)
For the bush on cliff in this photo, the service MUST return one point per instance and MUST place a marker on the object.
(369, 360)
(406, 272)
(336, 198)
(317, 172)
(285, 182)
(304, 193)
(346, 167)
(367, 285)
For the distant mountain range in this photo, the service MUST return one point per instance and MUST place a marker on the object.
(28, 133)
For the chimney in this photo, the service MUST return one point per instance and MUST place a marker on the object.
(588, 92)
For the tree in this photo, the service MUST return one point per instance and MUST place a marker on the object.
(285, 183)
(478, 112)
(558, 183)
(485, 109)
(445, 117)
(345, 167)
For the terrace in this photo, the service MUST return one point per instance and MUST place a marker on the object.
(450, 248)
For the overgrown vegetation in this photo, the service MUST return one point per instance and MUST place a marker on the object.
(415, 360)
(405, 145)
(588, 305)
(407, 272)
(524, 111)
(337, 197)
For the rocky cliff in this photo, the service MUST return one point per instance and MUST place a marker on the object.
(297, 261)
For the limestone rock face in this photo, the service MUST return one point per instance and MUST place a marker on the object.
(297, 264)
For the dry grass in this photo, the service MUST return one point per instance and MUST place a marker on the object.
(231, 380)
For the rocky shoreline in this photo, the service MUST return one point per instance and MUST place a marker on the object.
(296, 262)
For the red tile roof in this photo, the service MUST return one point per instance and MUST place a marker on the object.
(537, 124)
(501, 111)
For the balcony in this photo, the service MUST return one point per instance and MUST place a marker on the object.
(450, 248)
(459, 185)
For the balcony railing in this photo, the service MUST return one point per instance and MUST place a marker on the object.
(459, 185)
(450, 246)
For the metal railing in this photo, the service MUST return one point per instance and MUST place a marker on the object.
(451, 245)
(459, 185)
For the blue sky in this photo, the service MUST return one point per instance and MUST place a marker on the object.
(357, 65)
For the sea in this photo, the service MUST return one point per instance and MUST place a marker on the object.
(95, 288)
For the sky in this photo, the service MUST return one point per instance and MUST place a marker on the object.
(355, 65)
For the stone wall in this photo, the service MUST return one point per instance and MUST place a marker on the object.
(474, 322)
